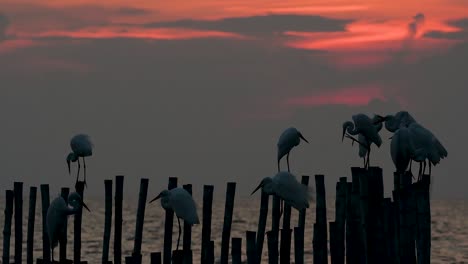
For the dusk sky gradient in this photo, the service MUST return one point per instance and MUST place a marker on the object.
(201, 90)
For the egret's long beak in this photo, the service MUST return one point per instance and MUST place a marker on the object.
(69, 169)
(155, 198)
(344, 132)
(380, 119)
(85, 206)
(258, 187)
(301, 136)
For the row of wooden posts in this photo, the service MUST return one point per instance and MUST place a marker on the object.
(368, 228)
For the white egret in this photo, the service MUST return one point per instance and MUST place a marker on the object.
(363, 125)
(363, 148)
(181, 202)
(401, 149)
(285, 186)
(290, 138)
(393, 122)
(57, 215)
(81, 146)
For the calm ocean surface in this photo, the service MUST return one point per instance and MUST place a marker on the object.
(449, 229)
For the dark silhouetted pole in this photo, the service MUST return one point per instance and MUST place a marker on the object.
(119, 182)
(228, 211)
(18, 190)
(140, 220)
(155, 258)
(210, 253)
(77, 226)
(168, 226)
(285, 244)
(333, 243)
(272, 237)
(187, 238)
(45, 237)
(206, 226)
(63, 240)
(107, 220)
(388, 232)
(31, 220)
(9, 198)
(251, 248)
(340, 220)
(375, 232)
(236, 251)
(299, 245)
(320, 227)
(262, 219)
(424, 220)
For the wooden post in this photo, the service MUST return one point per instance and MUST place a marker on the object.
(168, 226)
(275, 220)
(262, 219)
(285, 245)
(45, 237)
(187, 239)
(299, 245)
(155, 258)
(18, 191)
(210, 253)
(320, 227)
(9, 198)
(406, 237)
(424, 220)
(177, 257)
(354, 236)
(340, 220)
(333, 243)
(206, 226)
(299, 233)
(77, 226)
(228, 210)
(119, 182)
(364, 209)
(236, 251)
(107, 221)
(31, 220)
(140, 220)
(375, 234)
(272, 237)
(251, 247)
(63, 240)
(388, 231)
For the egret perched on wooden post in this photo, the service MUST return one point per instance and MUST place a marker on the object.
(290, 138)
(81, 146)
(394, 122)
(285, 186)
(363, 125)
(181, 202)
(402, 149)
(57, 215)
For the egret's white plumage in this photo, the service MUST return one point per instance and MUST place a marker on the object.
(290, 138)
(363, 148)
(367, 132)
(285, 186)
(401, 149)
(57, 215)
(181, 202)
(394, 122)
(81, 146)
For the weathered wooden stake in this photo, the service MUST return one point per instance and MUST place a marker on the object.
(18, 190)
(31, 220)
(63, 240)
(168, 226)
(9, 198)
(155, 258)
(285, 245)
(375, 236)
(388, 231)
(140, 220)
(272, 237)
(206, 226)
(107, 221)
(45, 237)
(228, 211)
(77, 226)
(320, 227)
(236, 250)
(251, 248)
(119, 182)
(333, 243)
(340, 220)
(210, 253)
(262, 219)
(187, 239)
(299, 245)
(407, 254)
(424, 220)
(177, 257)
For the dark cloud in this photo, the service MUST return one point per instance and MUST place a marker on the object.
(132, 11)
(462, 24)
(261, 25)
(414, 26)
(3, 26)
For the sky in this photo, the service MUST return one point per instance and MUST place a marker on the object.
(201, 90)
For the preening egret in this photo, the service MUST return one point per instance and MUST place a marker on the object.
(401, 149)
(285, 186)
(363, 125)
(57, 217)
(393, 122)
(81, 146)
(363, 148)
(290, 138)
(181, 202)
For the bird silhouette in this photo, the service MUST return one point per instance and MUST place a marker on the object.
(290, 138)
(181, 202)
(81, 146)
(57, 215)
(368, 129)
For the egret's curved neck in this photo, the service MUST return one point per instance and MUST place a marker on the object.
(391, 123)
(379, 126)
(349, 127)
(165, 202)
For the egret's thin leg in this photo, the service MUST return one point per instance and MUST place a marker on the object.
(287, 160)
(180, 231)
(84, 168)
(368, 157)
(430, 168)
(424, 171)
(281, 208)
(420, 168)
(364, 162)
(78, 172)
(52, 255)
(278, 165)
(410, 163)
